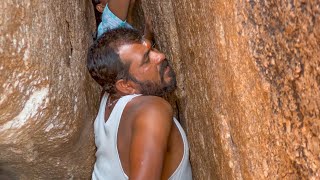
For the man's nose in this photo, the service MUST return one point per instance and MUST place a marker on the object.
(158, 57)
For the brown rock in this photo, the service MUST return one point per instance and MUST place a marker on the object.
(249, 83)
(248, 86)
(47, 99)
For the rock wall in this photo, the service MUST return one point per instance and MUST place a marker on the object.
(249, 87)
(47, 99)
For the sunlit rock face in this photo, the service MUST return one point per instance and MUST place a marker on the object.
(47, 99)
(249, 84)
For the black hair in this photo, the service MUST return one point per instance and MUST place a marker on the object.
(104, 63)
(97, 14)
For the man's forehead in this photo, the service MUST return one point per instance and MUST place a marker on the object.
(144, 45)
(129, 52)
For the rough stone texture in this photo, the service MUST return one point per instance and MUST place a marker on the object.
(249, 84)
(47, 99)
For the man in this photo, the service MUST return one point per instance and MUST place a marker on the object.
(115, 14)
(135, 132)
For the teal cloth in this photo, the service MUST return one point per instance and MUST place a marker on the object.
(110, 21)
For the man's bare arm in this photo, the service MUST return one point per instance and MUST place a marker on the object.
(150, 134)
(120, 8)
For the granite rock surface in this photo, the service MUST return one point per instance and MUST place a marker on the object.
(47, 98)
(249, 87)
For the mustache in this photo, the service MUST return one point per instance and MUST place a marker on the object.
(163, 66)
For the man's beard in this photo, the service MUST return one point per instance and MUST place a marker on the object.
(155, 89)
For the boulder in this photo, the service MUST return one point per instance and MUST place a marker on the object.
(47, 98)
(249, 87)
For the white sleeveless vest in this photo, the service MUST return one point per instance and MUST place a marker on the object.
(108, 164)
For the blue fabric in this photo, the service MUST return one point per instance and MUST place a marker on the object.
(110, 21)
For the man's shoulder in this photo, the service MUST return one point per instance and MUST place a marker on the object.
(151, 103)
(150, 107)
(152, 100)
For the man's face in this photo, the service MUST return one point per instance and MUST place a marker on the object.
(149, 68)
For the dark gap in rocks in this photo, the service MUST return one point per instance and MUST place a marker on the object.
(68, 59)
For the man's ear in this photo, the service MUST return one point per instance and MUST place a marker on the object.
(126, 87)
(100, 7)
